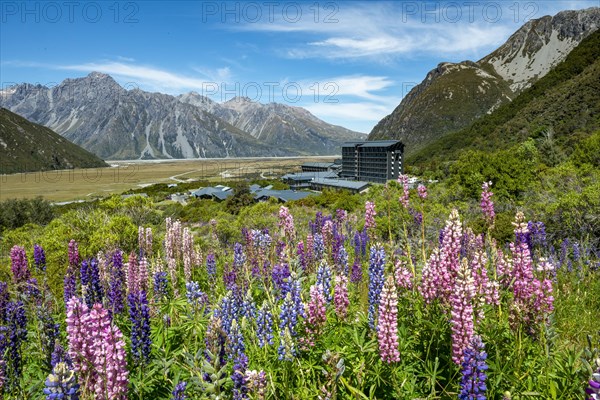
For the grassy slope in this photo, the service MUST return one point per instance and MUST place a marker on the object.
(566, 101)
(26, 146)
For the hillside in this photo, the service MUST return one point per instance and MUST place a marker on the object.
(452, 96)
(25, 146)
(557, 111)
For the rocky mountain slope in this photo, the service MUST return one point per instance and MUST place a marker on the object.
(25, 146)
(96, 113)
(557, 111)
(452, 96)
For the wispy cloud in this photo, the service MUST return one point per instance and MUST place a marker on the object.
(381, 30)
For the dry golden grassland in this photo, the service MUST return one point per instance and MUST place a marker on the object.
(82, 184)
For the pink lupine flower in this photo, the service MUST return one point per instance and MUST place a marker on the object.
(404, 199)
(19, 267)
(431, 282)
(148, 248)
(487, 205)
(286, 223)
(97, 350)
(422, 190)
(327, 232)
(188, 254)
(450, 255)
(315, 309)
(370, 214)
(404, 278)
(340, 296)
(486, 289)
(461, 301)
(387, 324)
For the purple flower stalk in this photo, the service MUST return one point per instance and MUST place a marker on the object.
(376, 280)
(264, 326)
(211, 265)
(39, 257)
(161, 285)
(19, 267)
(90, 282)
(404, 278)
(257, 383)
(195, 297)
(487, 205)
(116, 290)
(238, 256)
(387, 325)
(472, 383)
(324, 280)
(60, 355)
(179, 391)
(318, 247)
(593, 389)
(139, 315)
(422, 190)
(61, 384)
(357, 273)
(73, 254)
(16, 324)
(287, 348)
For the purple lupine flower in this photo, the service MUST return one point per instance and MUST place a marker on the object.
(318, 247)
(324, 280)
(238, 256)
(257, 383)
(16, 324)
(227, 311)
(387, 324)
(376, 280)
(195, 297)
(3, 346)
(292, 308)
(287, 348)
(73, 253)
(60, 355)
(537, 232)
(211, 265)
(264, 326)
(235, 341)
(139, 315)
(280, 275)
(301, 256)
(70, 284)
(422, 190)
(357, 273)
(90, 282)
(179, 391)
(404, 278)
(116, 290)
(593, 389)
(342, 260)
(39, 257)
(316, 316)
(240, 389)
(161, 285)
(61, 384)
(248, 308)
(4, 299)
(404, 199)
(472, 383)
(32, 290)
(229, 277)
(48, 332)
(19, 267)
(487, 205)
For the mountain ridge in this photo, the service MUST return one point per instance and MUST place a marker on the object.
(98, 114)
(453, 95)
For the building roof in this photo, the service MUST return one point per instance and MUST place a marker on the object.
(282, 195)
(372, 143)
(307, 176)
(342, 184)
(222, 195)
(319, 164)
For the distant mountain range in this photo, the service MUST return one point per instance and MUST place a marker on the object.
(25, 146)
(98, 114)
(452, 96)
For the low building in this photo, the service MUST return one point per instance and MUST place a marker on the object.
(339, 184)
(282, 196)
(318, 166)
(302, 180)
(218, 192)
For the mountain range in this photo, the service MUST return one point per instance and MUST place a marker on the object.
(51, 151)
(454, 95)
(98, 114)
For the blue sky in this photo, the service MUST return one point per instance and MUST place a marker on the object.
(349, 63)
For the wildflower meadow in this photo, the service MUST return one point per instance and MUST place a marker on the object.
(380, 301)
